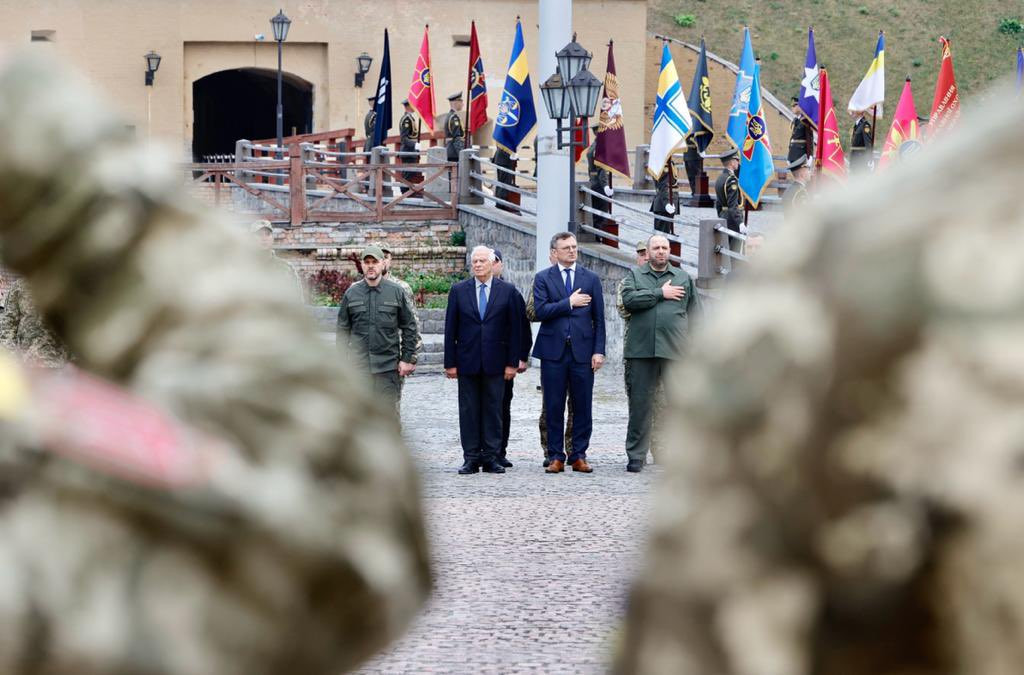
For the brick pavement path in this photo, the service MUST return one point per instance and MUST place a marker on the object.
(531, 569)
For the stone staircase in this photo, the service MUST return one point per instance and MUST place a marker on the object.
(431, 330)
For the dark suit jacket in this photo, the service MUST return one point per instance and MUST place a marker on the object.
(584, 325)
(526, 333)
(482, 347)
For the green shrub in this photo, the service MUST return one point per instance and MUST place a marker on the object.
(1011, 26)
(436, 302)
(917, 63)
(458, 238)
(862, 10)
(431, 284)
(685, 20)
(774, 56)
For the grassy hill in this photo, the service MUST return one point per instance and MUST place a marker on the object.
(845, 33)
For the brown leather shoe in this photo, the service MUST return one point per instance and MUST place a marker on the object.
(581, 465)
(556, 466)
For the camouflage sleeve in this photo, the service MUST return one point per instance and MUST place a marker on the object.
(11, 318)
(309, 549)
(409, 324)
(531, 312)
(411, 299)
(623, 312)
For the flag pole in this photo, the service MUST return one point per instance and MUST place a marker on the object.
(469, 87)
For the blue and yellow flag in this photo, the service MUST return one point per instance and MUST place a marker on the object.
(672, 121)
(737, 128)
(756, 169)
(516, 114)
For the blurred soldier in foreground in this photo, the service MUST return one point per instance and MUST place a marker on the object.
(23, 331)
(239, 504)
(845, 492)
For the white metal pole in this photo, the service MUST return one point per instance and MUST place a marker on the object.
(555, 19)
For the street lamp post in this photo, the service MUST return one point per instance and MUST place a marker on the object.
(152, 64)
(571, 94)
(280, 23)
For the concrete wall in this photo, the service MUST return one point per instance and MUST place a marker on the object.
(107, 39)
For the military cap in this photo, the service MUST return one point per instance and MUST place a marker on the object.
(257, 225)
(797, 163)
(794, 100)
(728, 154)
(497, 254)
(641, 246)
(372, 251)
(405, 101)
(456, 96)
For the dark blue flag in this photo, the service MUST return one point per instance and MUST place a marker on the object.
(700, 103)
(382, 106)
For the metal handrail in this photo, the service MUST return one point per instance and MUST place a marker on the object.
(519, 207)
(483, 178)
(606, 235)
(484, 160)
(630, 207)
(671, 237)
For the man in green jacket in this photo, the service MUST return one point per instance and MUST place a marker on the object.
(661, 300)
(376, 322)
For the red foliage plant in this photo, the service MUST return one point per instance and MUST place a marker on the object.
(332, 283)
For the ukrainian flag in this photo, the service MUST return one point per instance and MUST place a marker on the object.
(756, 168)
(871, 90)
(672, 121)
(516, 114)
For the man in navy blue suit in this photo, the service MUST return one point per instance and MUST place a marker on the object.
(569, 304)
(482, 345)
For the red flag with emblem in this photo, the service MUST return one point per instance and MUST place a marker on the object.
(829, 156)
(477, 85)
(421, 91)
(946, 104)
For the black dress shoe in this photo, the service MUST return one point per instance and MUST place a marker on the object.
(634, 466)
(547, 462)
(504, 462)
(469, 467)
(493, 466)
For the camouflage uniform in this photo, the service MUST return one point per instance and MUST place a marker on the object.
(296, 544)
(22, 330)
(844, 492)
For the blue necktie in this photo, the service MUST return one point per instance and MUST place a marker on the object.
(483, 300)
(568, 282)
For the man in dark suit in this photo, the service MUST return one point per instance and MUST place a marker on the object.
(569, 303)
(481, 349)
(526, 343)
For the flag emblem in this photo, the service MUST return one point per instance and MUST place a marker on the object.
(508, 110)
(705, 94)
(756, 129)
(425, 77)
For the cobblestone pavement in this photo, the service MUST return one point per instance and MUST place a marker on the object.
(531, 569)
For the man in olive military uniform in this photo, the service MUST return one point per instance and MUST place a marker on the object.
(641, 259)
(600, 182)
(666, 199)
(369, 123)
(801, 133)
(218, 493)
(407, 289)
(377, 323)
(409, 132)
(727, 197)
(862, 142)
(796, 194)
(454, 134)
(661, 300)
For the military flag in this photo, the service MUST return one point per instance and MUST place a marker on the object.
(516, 113)
(829, 157)
(476, 110)
(699, 103)
(871, 90)
(737, 128)
(382, 105)
(904, 134)
(421, 91)
(671, 118)
(946, 104)
(756, 169)
(810, 94)
(611, 152)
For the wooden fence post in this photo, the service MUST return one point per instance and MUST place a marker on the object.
(296, 184)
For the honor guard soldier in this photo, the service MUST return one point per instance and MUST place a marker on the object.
(692, 160)
(369, 122)
(600, 182)
(801, 137)
(665, 198)
(862, 142)
(409, 132)
(796, 193)
(454, 135)
(727, 196)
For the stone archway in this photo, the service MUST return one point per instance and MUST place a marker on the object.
(242, 103)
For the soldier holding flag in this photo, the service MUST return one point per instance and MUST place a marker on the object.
(454, 134)
(409, 132)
